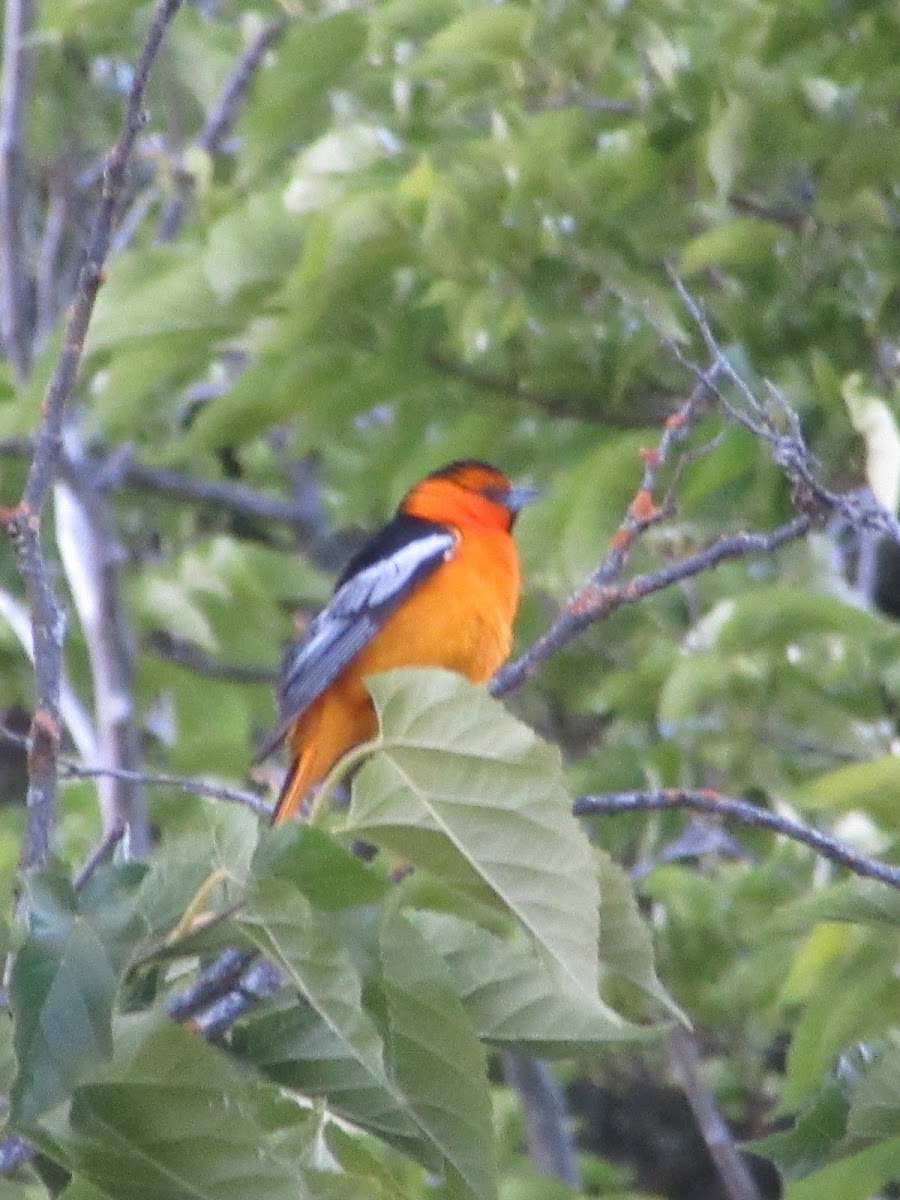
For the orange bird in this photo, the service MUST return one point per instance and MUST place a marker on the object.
(437, 587)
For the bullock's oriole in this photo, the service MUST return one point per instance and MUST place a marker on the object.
(437, 587)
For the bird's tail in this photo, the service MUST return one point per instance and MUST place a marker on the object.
(297, 784)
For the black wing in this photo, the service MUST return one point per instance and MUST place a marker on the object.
(374, 583)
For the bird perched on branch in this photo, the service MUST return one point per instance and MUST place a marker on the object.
(438, 586)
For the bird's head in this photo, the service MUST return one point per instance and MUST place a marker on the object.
(468, 490)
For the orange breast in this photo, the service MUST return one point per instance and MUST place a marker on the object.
(460, 618)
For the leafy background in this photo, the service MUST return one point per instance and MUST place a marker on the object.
(439, 229)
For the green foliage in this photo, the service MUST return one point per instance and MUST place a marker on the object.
(436, 230)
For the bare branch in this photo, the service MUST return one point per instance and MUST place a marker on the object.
(221, 118)
(15, 300)
(15, 1151)
(101, 852)
(588, 103)
(785, 439)
(186, 654)
(685, 1059)
(594, 602)
(236, 497)
(88, 547)
(121, 469)
(24, 521)
(193, 786)
(716, 805)
(261, 980)
(551, 1146)
(75, 716)
(213, 983)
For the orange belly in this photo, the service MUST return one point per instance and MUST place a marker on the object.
(459, 618)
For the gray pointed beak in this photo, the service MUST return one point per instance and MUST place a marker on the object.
(518, 497)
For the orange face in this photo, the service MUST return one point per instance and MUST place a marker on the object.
(468, 492)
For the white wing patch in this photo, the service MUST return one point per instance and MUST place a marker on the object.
(351, 618)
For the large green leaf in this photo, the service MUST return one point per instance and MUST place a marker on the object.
(775, 615)
(626, 944)
(458, 785)
(256, 243)
(292, 1045)
(511, 998)
(311, 59)
(326, 873)
(302, 942)
(152, 293)
(63, 983)
(209, 861)
(857, 1177)
(859, 901)
(330, 1046)
(435, 1060)
(170, 1118)
(817, 1131)
(851, 997)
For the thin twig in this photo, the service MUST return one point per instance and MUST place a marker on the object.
(608, 804)
(794, 219)
(86, 536)
(588, 103)
(75, 716)
(551, 1146)
(183, 783)
(15, 300)
(716, 805)
(185, 654)
(236, 497)
(786, 441)
(101, 852)
(594, 602)
(685, 1059)
(221, 118)
(121, 469)
(24, 521)
(586, 605)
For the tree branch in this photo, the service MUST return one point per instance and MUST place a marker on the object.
(595, 601)
(685, 1060)
(121, 469)
(715, 805)
(551, 1146)
(75, 716)
(186, 654)
(86, 537)
(124, 470)
(787, 445)
(183, 783)
(47, 299)
(221, 118)
(24, 521)
(15, 300)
